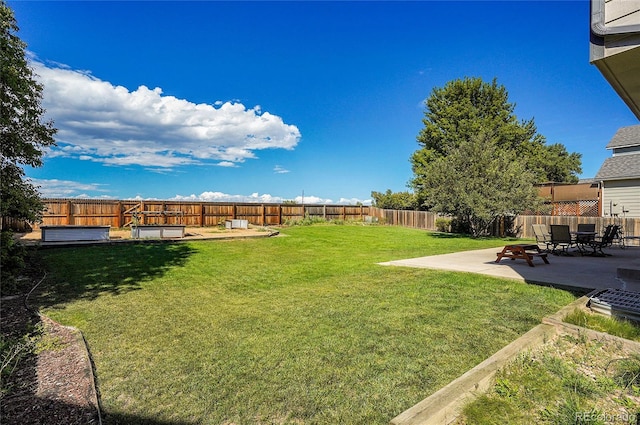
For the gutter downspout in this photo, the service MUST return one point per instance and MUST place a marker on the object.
(601, 200)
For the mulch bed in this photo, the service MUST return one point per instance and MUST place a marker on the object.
(51, 384)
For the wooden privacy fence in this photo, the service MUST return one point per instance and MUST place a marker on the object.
(121, 213)
(407, 218)
(522, 223)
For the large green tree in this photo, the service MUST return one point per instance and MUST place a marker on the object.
(465, 107)
(23, 132)
(455, 175)
(478, 182)
(394, 200)
(23, 137)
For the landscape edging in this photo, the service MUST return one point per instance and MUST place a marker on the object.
(446, 404)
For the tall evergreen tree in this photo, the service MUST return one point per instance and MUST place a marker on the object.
(477, 161)
(464, 108)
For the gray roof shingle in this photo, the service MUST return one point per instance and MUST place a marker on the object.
(620, 167)
(625, 136)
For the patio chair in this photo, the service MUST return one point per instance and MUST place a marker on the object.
(561, 239)
(543, 237)
(606, 240)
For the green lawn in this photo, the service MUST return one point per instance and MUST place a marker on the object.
(304, 328)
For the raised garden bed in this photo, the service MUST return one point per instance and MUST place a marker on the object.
(157, 231)
(74, 233)
(236, 224)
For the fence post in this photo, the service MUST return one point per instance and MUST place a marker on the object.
(164, 212)
(69, 213)
(119, 215)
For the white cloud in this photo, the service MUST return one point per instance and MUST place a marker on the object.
(354, 201)
(54, 188)
(266, 198)
(226, 164)
(225, 197)
(279, 170)
(110, 124)
(307, 199)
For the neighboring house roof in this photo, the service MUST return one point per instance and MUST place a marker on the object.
(625, 137)
(589, 180)
(620, 167)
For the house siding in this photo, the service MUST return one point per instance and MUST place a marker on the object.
(620, 12)
(622, 193)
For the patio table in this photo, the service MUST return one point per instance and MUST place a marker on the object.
(582, 238)
(523, 251)
(586, 235)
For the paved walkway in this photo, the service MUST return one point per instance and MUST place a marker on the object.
(577, 272)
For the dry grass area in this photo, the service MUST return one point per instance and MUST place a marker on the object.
(569, 380)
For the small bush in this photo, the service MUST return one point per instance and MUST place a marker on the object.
(12, 256)
(460, 226)
(443, 224)
(12, 352)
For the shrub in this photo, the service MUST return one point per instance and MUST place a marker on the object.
(12, 256)
(458, 225)
(443, 224)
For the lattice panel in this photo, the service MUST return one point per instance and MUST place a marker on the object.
(588, 208)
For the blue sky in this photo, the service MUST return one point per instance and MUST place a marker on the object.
(265, 101)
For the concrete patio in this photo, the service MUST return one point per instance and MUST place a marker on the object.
(621, 270)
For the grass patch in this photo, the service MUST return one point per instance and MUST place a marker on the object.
(303, 328)
(611, 325)
(567, 381)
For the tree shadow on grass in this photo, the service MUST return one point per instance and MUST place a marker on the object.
(126, 419)
(573, 290)
(442, 235)
(71, 274)
(87, 272)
